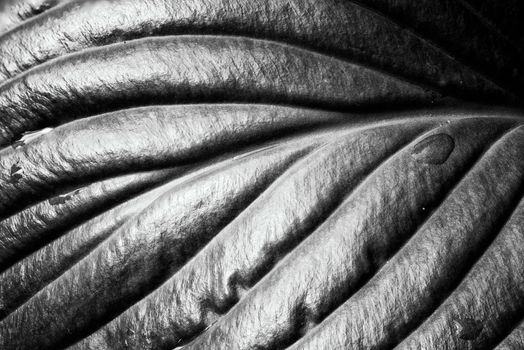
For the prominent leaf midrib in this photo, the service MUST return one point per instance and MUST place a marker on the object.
(36, 116)
(323, 122)
(436, 121)
(254, 145)
(90, 216)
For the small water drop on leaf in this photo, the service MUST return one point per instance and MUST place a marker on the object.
(434, 149)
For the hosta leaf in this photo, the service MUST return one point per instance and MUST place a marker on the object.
(318, 218)
(233, 174)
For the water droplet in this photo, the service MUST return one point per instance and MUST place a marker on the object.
(434, 149)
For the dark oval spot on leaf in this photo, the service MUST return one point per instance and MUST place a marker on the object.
(15, 175)
(434, 149)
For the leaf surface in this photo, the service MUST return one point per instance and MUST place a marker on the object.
(233, 174)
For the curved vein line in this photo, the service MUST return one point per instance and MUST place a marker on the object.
(118, 197)
(264, 40)
(512, 205)
(168, 275)
(300, 160)
(479, 254)
(362, 63)
(373, 11)
(165, 182)
(515, 324)
(151, 189)
(302, 101)
(415, 231)
(234, 150)
(328, 216)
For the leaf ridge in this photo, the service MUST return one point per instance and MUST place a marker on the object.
(450, 192)
(477, 255)
(355, 189)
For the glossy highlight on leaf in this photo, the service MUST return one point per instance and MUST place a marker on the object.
(234, 174)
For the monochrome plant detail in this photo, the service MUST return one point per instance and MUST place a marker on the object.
(238, 174)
